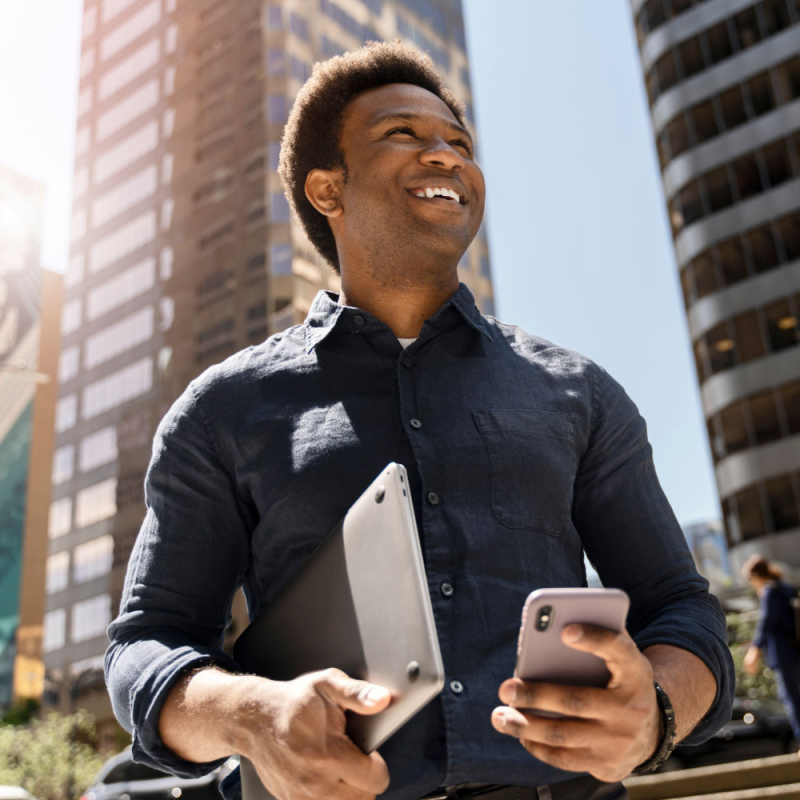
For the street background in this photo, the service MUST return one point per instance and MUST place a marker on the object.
(578, 232)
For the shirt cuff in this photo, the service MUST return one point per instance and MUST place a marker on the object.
(704, 644)
(147, 699)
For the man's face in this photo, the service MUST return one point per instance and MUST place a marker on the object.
(412, 181)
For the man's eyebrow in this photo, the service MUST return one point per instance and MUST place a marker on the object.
(410, 117)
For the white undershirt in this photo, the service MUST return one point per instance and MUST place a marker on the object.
(406, 342)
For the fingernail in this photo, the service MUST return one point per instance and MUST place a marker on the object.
(573, 633)
(509, 694)
(374, 695)
(500, 720)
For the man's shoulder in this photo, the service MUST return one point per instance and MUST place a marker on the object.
(253, 364)
(536, 348)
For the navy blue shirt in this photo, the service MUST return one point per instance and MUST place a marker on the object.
(533, 454)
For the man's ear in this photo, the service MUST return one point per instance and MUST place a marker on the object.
(322, 190)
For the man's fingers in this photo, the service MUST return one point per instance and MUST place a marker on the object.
(553, 732)
(358, 696)
(368, 773)
(608, 645)
(587, 702)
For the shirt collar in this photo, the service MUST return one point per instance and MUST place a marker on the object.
(326, 313)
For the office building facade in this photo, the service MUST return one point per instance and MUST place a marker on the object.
(723, 83)
(21, 216)
(183, 250)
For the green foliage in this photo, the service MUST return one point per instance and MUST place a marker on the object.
(53, 758)
(741, 628)
(23, 712)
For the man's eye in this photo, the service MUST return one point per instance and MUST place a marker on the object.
(406, 130)
(463, 144)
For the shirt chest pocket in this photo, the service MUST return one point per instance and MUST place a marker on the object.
(533, 464)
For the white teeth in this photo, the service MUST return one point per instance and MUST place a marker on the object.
(437, 191)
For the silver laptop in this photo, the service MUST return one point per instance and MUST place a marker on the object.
(360, 603)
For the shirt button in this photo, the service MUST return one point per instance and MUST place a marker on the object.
(406, 362)
(358, 319)
(456, 687)
(433, 498)
(415, 423)
(447, 589)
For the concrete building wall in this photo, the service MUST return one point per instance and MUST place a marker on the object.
(723, 81)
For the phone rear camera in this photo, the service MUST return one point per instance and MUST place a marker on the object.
(543, 618)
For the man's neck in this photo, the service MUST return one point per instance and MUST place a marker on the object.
(403, 306)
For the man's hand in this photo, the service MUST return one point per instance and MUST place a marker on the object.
(610, 731)
(296, 738)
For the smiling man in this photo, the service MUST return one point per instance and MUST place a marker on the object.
(521, 456)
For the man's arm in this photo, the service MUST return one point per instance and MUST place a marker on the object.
(293, 732)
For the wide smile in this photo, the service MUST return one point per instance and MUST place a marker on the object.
(439, 195)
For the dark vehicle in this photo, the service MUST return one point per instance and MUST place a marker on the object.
(757, 729)
(122, 779)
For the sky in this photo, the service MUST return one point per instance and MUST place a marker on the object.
(577, 226)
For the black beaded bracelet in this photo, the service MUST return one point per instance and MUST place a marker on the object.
(667, 742)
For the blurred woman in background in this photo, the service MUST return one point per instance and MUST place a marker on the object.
(774, 638)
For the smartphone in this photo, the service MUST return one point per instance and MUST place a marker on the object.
(542, 656)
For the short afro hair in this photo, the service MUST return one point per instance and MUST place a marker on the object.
(311, 139)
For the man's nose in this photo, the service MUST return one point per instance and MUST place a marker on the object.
(439, 153)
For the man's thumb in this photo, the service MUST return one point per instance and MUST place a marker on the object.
(358, 696)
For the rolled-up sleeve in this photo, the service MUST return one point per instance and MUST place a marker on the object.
(631, 536)
(189, 558)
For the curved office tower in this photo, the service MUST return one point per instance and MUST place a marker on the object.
(723, 82)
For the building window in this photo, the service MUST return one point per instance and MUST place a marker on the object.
(299, 26)
(734, 111)
(281, 259)
(274, 149)
(75, 271)
(782, 325)
(60, 519)
(118, 338)
(57, 572)
(63, 463)
(763, 248)
(66, 413)
(279, 207)
(787, 76)
(118, 388)
(123, 287)
(734, 429)
(68, 363)
(746, 25)
(748, 336)
(719, 42)
(276, 62)
(125, 196)
(274, 18)
(732, 260)
(123, 241)
(678, 135)
(750, 513)
(705, 274)
(691, 55)
(782, 503)
(136, 64)
(130, 30)
(113, 7)
(777, 163)
(96, 503)
(126, 111)
(97, 449)
(215, 189)
(790, 397)
(128, 151)
(55, 623)
(747, 176)
(217, 236)
(721, 348)
(789, 228)
(704, 119)
(764, 415)
(762, 98)
(277, 108)
(90, 618)
(92, 559)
